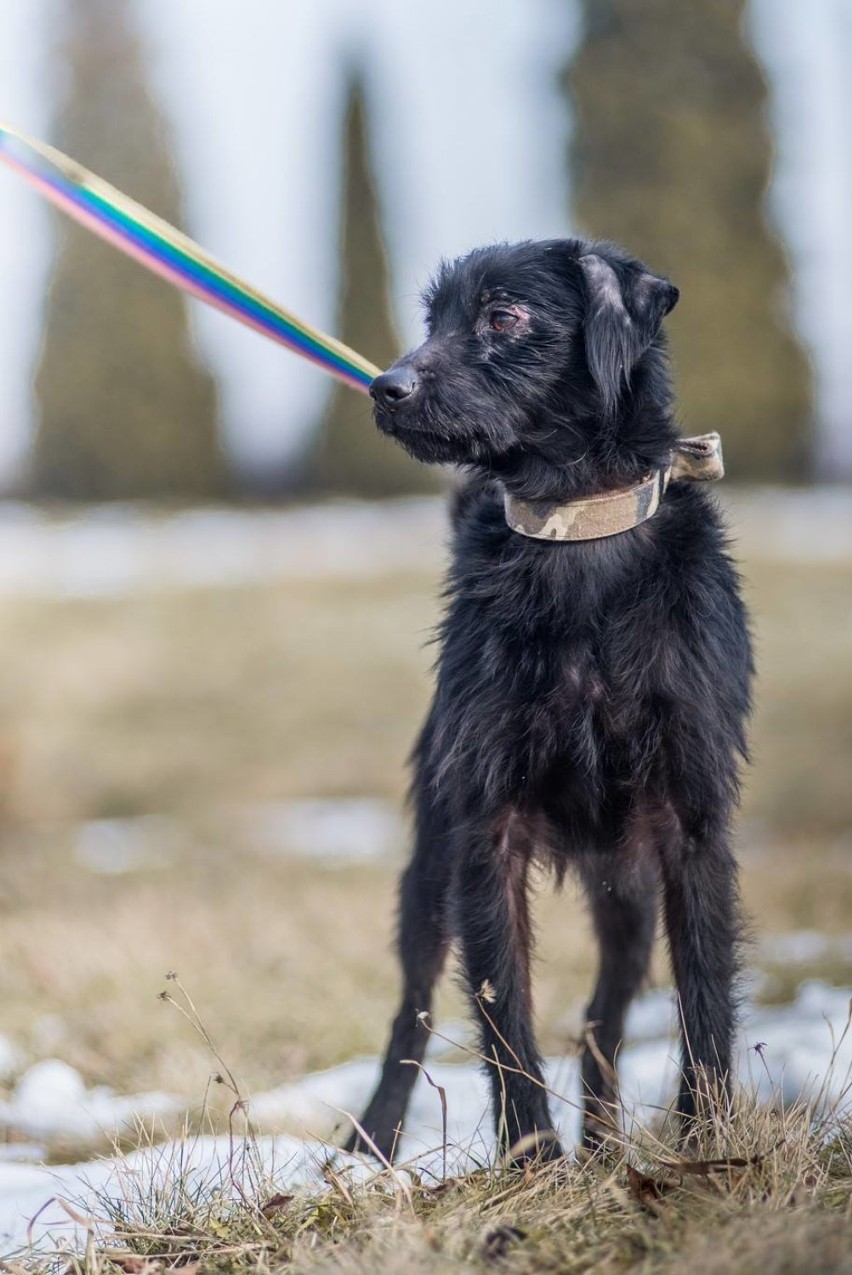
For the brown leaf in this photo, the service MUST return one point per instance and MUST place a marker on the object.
(647, 1191)
(134, 1264)
(275, 1204)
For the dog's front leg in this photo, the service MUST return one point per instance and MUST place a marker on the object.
(701, 907)
(422, 942)
(494, 928)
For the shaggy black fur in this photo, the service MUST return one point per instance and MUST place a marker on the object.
(591, 696)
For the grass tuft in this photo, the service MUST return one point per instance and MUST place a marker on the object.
(775, 1196)
(755, 1187)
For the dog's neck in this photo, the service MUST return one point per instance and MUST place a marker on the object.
(608, 513)
(572, 452)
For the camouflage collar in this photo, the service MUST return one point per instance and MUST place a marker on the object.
(696, 459)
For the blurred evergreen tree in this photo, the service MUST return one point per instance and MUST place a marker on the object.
(348, 454)
(671, 158)
(126, 408)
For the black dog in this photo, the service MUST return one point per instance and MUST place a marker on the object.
(591, 692)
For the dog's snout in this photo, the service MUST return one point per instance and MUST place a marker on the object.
(393, 386)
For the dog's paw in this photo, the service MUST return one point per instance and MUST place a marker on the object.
(539, 1148)
(379, 1146)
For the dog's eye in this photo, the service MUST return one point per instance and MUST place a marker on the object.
(502, 320)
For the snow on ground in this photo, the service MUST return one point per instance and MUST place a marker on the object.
(113, 847)
(802, 947)
(113, 550)
(51, 1099)
(10, 1058)
(331, 831)
(797, 1043)
(804, 1048)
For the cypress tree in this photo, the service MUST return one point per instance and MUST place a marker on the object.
(672, 158)
(348, 455)
(126, 409)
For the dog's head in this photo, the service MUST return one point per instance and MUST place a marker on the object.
(534, 347)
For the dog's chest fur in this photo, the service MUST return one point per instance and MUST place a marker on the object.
(559, 663)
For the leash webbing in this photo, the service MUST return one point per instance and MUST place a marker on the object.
(167, 252)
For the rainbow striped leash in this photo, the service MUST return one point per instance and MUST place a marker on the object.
(165, 251)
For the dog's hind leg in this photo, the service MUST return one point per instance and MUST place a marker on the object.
(624, 911)
(422, 945)
(494, 928)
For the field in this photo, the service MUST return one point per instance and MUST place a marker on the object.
(151, 747)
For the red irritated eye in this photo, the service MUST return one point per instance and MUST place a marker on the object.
(502, 320)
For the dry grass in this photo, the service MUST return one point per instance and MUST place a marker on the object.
(763, 1191)
(802, 735)
(168, 702)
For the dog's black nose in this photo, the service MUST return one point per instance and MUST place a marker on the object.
(393, 386)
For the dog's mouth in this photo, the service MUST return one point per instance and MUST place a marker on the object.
(387, 421)
(421, 441)
(400, 421)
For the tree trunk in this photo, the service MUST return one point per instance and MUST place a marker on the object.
(672, 158)
(126, 408)
(348, 455)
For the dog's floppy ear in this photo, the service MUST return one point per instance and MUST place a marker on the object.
(624, 311)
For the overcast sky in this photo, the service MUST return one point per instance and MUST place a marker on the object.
(470, 145)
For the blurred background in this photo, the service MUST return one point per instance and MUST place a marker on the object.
(217, 581)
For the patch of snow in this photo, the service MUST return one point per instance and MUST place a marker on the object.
(31, 1196)
(49, 1032)
(24, 1152)
(804, 1048)
(113, 550)
(10, 1058)
(112, 847)
(803, 947)
(307, 1102)
(314, 1103)
(331, 832)
(51, 1100)
(809, 524)
(652, 1015)
(456, 1035)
